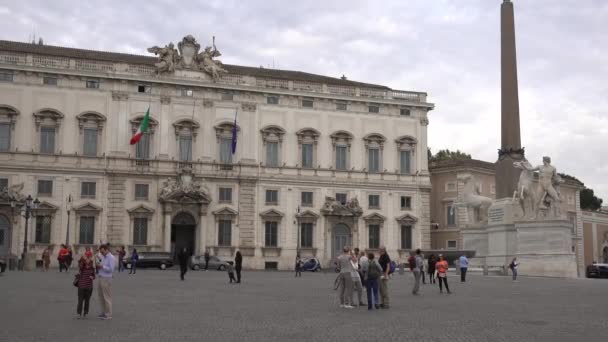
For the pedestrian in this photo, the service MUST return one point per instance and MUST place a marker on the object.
(298, 265)
(61, 257)
(230, 270)
(85, 276)
(69, 259)
(464, 265)
(363, 264)
(513, 266)
(417, 272)
(207, 257)
(238, 266)
(442, 273)
(385, 263)
(183, 257)
(374, 271)
(121, 257)
(134, 259)
(431, 268)
(356, 277)
(345, 279)
(46, 259)
(106, 269)
(422, 273)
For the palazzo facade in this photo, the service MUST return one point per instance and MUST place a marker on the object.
(319, 162)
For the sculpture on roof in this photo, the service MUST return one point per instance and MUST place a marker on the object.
(188, 58)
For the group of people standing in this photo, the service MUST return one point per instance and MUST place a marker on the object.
(437, 268)
(89, 270)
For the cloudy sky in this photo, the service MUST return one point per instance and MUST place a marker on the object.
(447, 48)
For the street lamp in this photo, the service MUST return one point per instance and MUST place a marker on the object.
(68, 208)
(30, 204)
(298, 231)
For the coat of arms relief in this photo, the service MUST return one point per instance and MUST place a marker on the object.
(187, 56)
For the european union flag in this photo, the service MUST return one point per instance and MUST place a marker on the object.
(234, 132)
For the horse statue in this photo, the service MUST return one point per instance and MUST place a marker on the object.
(525, 193)
(473, 201)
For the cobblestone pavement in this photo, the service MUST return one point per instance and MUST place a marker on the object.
(274, 306)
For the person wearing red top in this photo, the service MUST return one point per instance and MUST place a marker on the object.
(62, 258)
(442, 273)
(85, 284)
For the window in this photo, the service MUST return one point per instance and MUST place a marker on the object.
(142, 88)
(43, 229)
(342, 198)
(5, 137)
(272, 153)
(308, 103)
(93, 84)
(185, 147)
(272, 100)
(307, 151)
(45, 187)
(49, 80)
(451, 215)
(89, 147)
(374, 159)
(141, 192)
(341, 153)
(405, 162)
(140, 231)
(3, 183)
(406, 237)
(272, 196)
(88, 189)
(225, 195)
(227, 96)
(87, 230)
(450, 187)
(306, 234)
(373, 108)
(341, 106)
(307, 198)
(226, 150)
(451, 244)
(224, 234)
(374, 201)
(271, 235)
(6, 76)
(142, 148)
(47, 140)
(374, 236)
(187, 92)
(493, 189)
(404, 112)
(406, 202)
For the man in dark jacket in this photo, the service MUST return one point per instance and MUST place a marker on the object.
(183, 257)
(207, 260)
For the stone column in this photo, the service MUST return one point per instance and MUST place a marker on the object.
(422, 159)
(164, 129)
(119, 124)
(167, 232)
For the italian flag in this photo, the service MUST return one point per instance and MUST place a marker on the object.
(143, 128)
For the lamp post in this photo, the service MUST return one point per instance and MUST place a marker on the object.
(298, 231)
(30, 204)
(67, 208)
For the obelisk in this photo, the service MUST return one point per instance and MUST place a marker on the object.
(510, 150)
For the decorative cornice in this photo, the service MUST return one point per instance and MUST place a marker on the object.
(119, 95)
(165, 99)
(248, 107)
(424, 121)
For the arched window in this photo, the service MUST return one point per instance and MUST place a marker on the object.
(8, 117)
(406, 148)
(185, 135)
(307, 146)
(223, 133)
(90, 125)
(143, 148)
(48, 122)
(272, 137)
(341, 141)
(374, 146)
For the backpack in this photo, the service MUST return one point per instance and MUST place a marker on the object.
(374, 270)
(392, 267)
(412, 262)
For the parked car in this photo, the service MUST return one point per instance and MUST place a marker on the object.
(596, 270)
(2, 265)
(197, 262)
(311, 265)
(151, 259)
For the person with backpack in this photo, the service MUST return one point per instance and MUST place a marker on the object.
(464, 266)
(442, 273)
(374, 271)
(431, 268)
(385, 263)
(417, 270)
(134, 258)
(513, 266)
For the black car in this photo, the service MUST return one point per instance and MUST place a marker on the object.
(151, 259)
(2, 265)
(597, 271)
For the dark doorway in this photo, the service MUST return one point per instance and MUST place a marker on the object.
(183, 234)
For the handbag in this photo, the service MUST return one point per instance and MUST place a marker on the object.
(76, 279)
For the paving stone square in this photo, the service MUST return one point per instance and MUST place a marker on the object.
(155, 305)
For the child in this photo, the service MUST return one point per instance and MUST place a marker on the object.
(230, 270)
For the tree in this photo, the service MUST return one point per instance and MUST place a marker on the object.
(446, 154)
(589, 201)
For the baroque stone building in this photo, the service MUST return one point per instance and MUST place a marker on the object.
(320, 162)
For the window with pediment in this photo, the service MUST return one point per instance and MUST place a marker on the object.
(374, 223)
(143, 148)
(185, 135)
(374, 146)
(48, 122)
(224, 133)
(307, 220)
(90, 125)
(272, 137)
(141, 217)
(8, 117)
(224, 219)
(307, 146)
(406, 147)
(341, 142)
(407, 223)
(45, 215)
(87, 216)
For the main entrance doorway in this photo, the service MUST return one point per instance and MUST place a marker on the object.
(5, 235)
(340, 238)
(183, 234)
